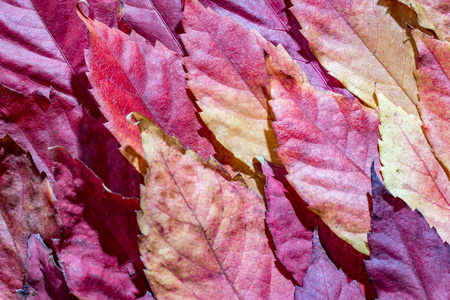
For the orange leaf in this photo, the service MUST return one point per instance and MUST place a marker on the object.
(362, 44)
(203, 234)
(410, 170)
(433, 79)
(327, 144)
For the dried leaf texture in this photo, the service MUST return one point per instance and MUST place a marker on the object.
(328, 158)
(433, 14)
(410, 170)
(433, 80)
(227, 74)
(408, 259)
(362, 44)
(98, 250)
(324, 281)
(156, 20)
(26, 207)
(44, 279)
(37, 123)
(274, 22)
(129, 74)
(203, 234)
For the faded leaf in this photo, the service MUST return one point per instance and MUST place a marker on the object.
(364, 44)
(276, 23)
(327, 158)
(26, 207)
(433, 80)
(409, 168)
(324, 281)
(433, 14)
(37, 123)
(129, 74)
(98, 250)
(44, 279)
(203, 234)
(408, 259)
(227, 75)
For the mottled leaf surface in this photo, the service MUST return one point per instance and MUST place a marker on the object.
(410, 170)
(44, 279)
(98, 250)
(368, 53)
(433, 80)
(203, 234)
(327, 144)
(227, 75)
(26, 207)
(324, 281)
(129, 74)
(408, 259)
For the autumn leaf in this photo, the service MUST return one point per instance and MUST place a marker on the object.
(156, 21)
(44, 279)
(433, 80)
(328, 159)
(368, 53)
(410, 170)
(37, 122)
(432, 14)
(227, 75)
(98, 249)
(203, 234)
(324, 281)
(129, 74)
(276, 23)
(408, 259)
(26, 207)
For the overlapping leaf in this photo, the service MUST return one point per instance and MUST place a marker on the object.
(129, 74)
(327, 158)
(324, 281)
(409, 168)
(203, 234)
(408, 259)
(26, 207)
(364, 44)
(433, 14)
(227, 75)
(98, 249)
(273, 21)
(433, 80)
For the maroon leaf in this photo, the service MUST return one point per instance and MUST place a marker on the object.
(44, 279)
(156, 20)
(37, 122)
(98, 250)
(26, 207)
(324, 281)
(408, 259)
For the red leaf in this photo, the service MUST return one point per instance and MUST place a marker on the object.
(324, 281)
(408, 259)
(203, 234)
(44, 279)
(130, 75)
(37, 123)
(275, 23)
(26, 207)
(327, 143)
(98, 250)
(156, 20)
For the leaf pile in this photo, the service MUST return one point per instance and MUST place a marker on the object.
(226, 149)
